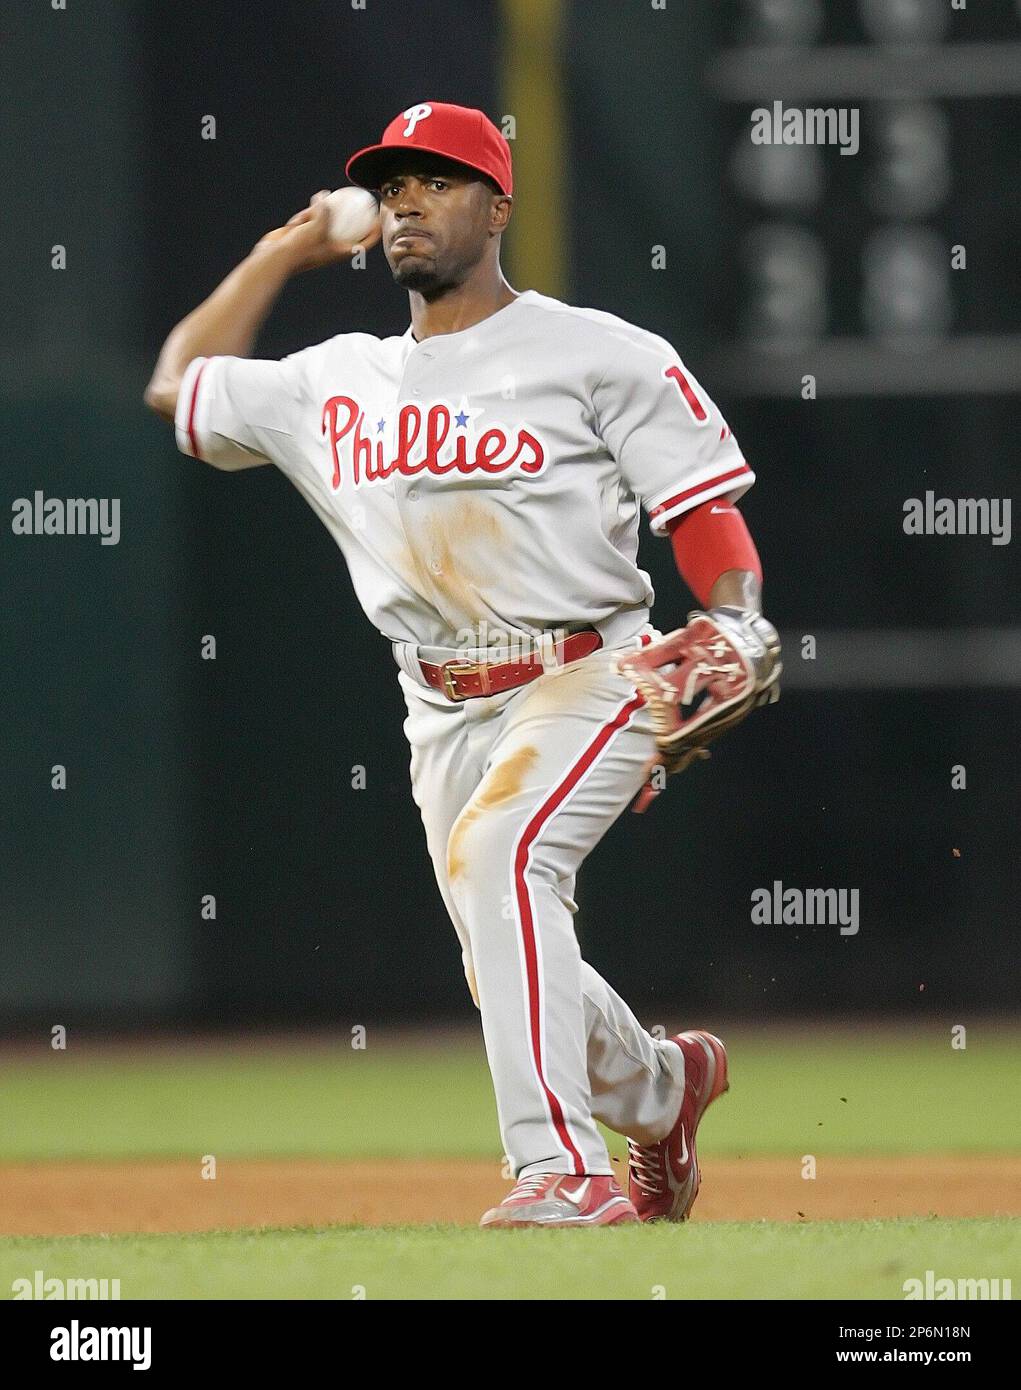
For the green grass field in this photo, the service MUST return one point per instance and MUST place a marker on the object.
(852, 1259)
(875, 1092)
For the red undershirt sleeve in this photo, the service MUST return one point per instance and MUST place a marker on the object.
(708, 541)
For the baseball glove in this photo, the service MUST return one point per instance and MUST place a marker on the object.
(702, 680)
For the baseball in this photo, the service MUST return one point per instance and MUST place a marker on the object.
(353, 214)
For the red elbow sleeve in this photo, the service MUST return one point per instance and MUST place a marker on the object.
(708, 541)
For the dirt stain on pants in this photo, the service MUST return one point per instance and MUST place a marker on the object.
(500, 784)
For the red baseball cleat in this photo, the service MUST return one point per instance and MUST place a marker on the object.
(663, 1178)
(562, 1199)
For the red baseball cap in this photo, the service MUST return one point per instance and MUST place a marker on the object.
(457, 132)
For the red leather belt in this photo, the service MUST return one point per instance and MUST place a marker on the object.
(467, 680)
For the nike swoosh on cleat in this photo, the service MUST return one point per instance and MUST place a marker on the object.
(578, 1195)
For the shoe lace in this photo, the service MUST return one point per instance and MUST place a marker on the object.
(529, 1186)
(647, 1167)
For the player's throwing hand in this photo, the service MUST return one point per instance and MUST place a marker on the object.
(308, 235)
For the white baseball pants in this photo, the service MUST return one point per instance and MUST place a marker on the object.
(515, 790)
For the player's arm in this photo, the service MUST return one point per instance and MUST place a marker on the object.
(679, 455)
(704, 678)
(737, 588)
(228, 322)
(716, 556)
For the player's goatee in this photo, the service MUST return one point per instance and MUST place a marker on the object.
(422, 279)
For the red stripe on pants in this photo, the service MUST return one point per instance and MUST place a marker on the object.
(531, 834)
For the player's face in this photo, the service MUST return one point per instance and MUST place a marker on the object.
(436, 220)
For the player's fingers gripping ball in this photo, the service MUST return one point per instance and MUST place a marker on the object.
(701, 680)
(353, 214)
(341, 222)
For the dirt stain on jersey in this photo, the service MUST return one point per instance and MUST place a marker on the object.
(501, 783)
(450, 558)
(459, 550)
(405, 562)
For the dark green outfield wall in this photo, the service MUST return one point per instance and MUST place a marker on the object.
(234, 778)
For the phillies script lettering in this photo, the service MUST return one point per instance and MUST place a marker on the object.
(422, 445)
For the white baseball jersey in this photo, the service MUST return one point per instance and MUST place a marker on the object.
(488, 480)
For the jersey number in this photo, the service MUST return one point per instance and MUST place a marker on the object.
(693, 403)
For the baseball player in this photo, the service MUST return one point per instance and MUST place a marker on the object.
(484, 475)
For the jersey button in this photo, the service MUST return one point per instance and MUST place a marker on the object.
(435, 566)
(412, 495)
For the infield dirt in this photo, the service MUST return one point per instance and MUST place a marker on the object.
(159, 1196)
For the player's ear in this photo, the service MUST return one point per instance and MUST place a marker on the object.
(500, 212)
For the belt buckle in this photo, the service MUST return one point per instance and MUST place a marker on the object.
(450, 669)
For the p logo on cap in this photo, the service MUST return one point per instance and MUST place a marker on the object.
(460, 133)
(413, 115)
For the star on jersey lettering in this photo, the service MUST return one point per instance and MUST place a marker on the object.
(465, 415)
